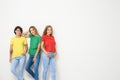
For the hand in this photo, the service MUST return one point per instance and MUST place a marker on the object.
(55, 54)
(34, 59)
(10, 60)
(24, 54)
(48, 55)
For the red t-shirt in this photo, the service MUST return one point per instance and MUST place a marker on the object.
(49, 43)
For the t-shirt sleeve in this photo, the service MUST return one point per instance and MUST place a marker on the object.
(25, 41)
(11, 41)
(43, 38)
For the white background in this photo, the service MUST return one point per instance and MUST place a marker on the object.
(87, 33)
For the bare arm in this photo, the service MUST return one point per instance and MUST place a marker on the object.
(38, 49)
(11, 50)
(26, 34)
(26, 49)
(42, 47)
(55, 52)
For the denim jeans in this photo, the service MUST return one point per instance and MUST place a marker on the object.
(17, 66)
(35, 64)
(48, 62)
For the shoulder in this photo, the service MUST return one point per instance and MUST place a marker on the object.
(39, 37)
(30, 35)
(43, 36)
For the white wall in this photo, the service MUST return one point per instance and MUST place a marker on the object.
(87, 34)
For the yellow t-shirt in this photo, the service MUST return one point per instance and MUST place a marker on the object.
(18, 46)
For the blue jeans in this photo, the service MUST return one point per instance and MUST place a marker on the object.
(49, 62)
(35, 65)
(17, 66)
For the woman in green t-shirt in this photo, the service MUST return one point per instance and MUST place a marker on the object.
(34, 52)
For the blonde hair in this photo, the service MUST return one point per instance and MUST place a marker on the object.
(34, 29)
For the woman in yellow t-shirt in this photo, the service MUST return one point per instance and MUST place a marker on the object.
(18, 50)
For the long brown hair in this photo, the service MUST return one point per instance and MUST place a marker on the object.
(34, 29)
(45, 30)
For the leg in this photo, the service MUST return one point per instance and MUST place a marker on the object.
(21, 66)
(29, 64)
(45, 65)
(36, 66)
(52, 67)
(14, 65)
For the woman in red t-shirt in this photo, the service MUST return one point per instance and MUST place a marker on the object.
(49, 52)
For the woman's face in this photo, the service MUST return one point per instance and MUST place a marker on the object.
(49, 31)
(32, 31)
(18, 32)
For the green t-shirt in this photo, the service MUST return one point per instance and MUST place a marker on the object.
(34, 41)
